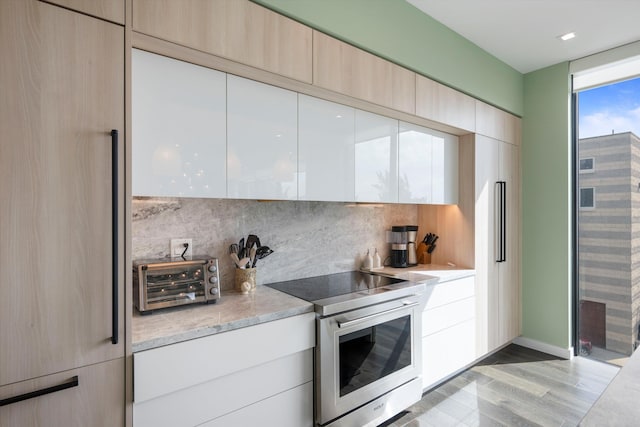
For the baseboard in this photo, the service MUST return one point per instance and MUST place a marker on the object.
(565, 353)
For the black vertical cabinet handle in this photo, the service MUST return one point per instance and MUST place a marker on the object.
(504, 221)
(73, 382)
(114, 236)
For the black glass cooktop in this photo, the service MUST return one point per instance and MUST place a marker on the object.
(331, 285)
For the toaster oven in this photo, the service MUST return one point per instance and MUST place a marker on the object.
(163, 283)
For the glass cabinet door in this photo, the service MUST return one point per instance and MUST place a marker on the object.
(262, 141)
(179, 128)
(326, 150)
(376, 152)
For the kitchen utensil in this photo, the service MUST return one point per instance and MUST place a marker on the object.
(252, 239)
(431, 249)
(233, 249)
(252, 254)
(243, 262)
(241, 249)
(262, 252)
(235, 259)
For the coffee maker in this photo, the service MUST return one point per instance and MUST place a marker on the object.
(412, 235)
(398, 241)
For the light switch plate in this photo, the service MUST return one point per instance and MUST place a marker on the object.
(177, 247)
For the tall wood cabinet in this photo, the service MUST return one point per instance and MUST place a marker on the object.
(62, 85)
(497, 234)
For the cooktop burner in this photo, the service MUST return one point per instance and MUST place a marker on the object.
(345, 291)
(321, 287)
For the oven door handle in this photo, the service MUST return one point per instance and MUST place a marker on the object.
(348, 323)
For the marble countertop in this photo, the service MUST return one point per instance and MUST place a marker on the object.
(233, 311)
(428, 273)
(618, 405)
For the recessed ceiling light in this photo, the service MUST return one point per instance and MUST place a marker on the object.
(567, 36)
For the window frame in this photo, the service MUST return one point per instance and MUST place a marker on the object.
(593, 165)
(587, 208)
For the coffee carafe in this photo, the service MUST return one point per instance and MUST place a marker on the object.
(398, 241)
(412, 235)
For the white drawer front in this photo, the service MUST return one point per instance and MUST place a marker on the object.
(447, 351)
(166, 369)
(448, 292)
(219, 397)
(293, 408)
(445, 316)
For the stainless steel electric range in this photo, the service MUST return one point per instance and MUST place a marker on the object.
(368, 356)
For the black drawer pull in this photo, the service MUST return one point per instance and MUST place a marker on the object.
(73, 382)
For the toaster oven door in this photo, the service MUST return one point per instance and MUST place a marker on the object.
(168, 286)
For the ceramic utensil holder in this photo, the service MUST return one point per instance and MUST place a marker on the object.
(245, 280)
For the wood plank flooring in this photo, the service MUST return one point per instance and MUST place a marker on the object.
(513, 387)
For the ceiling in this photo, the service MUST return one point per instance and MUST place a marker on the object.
(524, 33)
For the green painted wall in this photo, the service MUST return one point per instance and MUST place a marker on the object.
(546, 207)
(397, 31)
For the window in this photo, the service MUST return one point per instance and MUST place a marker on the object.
(587, 165)
(587, 198)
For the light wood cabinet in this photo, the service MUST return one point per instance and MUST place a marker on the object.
(440, 103)
(498, 124)
(179, 132)
(62, 85)
(111, 10)
(234, 29)
(345, 69)
(97, 399)
(497, 282)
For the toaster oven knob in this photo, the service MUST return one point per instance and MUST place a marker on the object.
(213, 280)
(213, 291)
(212, 268)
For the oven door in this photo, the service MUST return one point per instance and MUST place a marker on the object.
(365, 353)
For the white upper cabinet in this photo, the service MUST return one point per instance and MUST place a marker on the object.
(326, 150)
(428, 166)
(376, 158)
(415, 154)
(179, 128)
(261, 141)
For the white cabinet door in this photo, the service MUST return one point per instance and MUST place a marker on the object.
(415, 158)
(444, 168)
(326, 150)
(262, 141)
(428, 165)
(179, 128)
(376, 151)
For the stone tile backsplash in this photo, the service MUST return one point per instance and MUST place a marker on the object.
(308, 238)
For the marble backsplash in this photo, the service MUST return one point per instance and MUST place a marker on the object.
(308, 238)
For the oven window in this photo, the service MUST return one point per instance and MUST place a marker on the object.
(372, 353)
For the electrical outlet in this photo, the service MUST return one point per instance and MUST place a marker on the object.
(177, 247)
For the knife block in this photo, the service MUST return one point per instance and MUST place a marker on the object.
(425, 258)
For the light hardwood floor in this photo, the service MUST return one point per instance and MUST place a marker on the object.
(514, 387)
